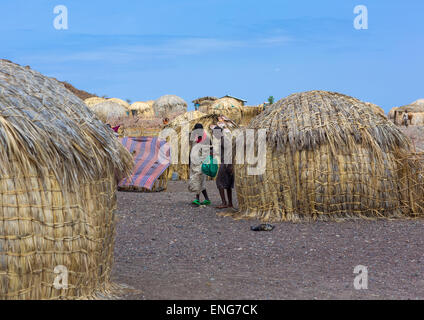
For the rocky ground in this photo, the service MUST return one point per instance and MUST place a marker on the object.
(165, 249)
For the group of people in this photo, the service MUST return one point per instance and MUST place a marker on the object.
(202, 148)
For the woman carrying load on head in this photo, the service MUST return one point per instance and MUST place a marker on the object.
(200, 150)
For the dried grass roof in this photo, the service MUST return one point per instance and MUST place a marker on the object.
(204, 99)
(90, 102)
(42, 124)
(120, 101)
(169, 104)
(108, 110)
(309, 119)
(186, 117)
(414, 107)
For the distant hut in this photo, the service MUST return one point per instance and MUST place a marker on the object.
(108, 110)
(169, 105)
(329, 157)
(59, 171)
(203, 104)
(242, 102)
(228, 107)
(142, 110)
(415, 112)
(123, 103)
(90, 102)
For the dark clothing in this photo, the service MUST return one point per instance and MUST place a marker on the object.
(225, 178)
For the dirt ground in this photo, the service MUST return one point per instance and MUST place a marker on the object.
(167, 249)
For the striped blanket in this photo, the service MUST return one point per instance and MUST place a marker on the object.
(151, 158)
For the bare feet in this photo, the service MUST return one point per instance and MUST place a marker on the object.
(222, 206)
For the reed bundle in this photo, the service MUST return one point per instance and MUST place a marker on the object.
(330, 157)
(58, 177)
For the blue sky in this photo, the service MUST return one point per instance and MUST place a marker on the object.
(140, 50)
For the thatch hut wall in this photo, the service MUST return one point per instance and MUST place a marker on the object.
(207, 121)
(231, 108)
(169, 104)
(330, 157)
(107, 111)
(58, 177)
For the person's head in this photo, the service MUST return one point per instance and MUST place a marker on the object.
(198, 126)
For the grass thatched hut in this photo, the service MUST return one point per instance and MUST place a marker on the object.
(169, 105)
(123, 103)
(330, 156)
(377, 109)
(249, 112)
(207, 121)
(229, 107)
(143, 110)
(415, 111)
(58, 173)
(108, 110)
(90, 102)
(204, 103)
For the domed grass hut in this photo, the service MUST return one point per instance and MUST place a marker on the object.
(330, 157)
(180, 126)
(58, 178)
(169, 105)
(229, 107)
(121, 102)
(108, 111)
(142, 110)
(90, 102)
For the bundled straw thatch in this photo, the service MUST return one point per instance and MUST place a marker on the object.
(207, 121)
(107, 111)
(186, 117)
(330, 156)
(123, 103)
(377, 109)
(90, 102)
(204, 103)
(415, 112)
(169, 104)
(143, 109)
(58, 177)
(248, 113)
(229, 107)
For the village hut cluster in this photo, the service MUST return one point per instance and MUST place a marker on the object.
(327, 156)
(415, 112)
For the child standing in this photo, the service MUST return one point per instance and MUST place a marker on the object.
(197, 177)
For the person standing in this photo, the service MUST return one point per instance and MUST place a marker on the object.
(197, 182)
(405, 118)
(225, 178)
